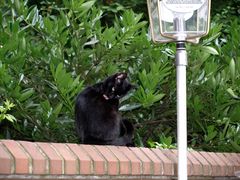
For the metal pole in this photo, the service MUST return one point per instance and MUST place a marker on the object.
(181, 64)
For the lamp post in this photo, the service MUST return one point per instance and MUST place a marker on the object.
(179, 21)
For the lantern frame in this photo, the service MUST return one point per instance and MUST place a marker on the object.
(163, 38)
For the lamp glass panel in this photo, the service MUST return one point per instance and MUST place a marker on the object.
(171, 19)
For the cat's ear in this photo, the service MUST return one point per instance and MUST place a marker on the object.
(121, 75)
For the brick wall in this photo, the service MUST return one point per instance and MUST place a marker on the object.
(27, 160)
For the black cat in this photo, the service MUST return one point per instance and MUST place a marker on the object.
(97, 118)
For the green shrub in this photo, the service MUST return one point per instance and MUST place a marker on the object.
(49, 54)
(213, 91)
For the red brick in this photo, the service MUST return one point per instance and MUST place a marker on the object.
(99, 163)
(136, 164)
(21, 158)
(214, 165)
(168, 165)
(55, 161)
(147, 164)
(70, 162)
(112, 161)
(230, 165)
(157, 164)
(170, 155)
(35, 158)
(206, 168)
(189, 164)
(221, 165)
(124, 163)
(196, 165)
(85, 162)
(6, 165)
(237, 156)
(39, 162)
(232, 158)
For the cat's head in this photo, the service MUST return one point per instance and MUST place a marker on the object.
(116, 86)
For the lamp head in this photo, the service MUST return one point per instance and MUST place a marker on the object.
(178, 20)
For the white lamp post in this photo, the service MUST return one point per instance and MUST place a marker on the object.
(179, 21)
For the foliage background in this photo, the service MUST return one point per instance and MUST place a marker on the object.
(50, 50)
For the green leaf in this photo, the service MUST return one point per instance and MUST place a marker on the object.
(1, 18)
(65, 19)
(17, 4)
(211, 133)
(10, 118)
(27, 93)
(151, 144)
(83, 7)
(210, 50)
(166, 140)
(235, 145)
(8, 105)
(129, 107)
(232, 68)
(158, 97)
(58, 109)
(87, 5)
(230, 91)
(59, 71)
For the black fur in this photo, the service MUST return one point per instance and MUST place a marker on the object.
(97, 118)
